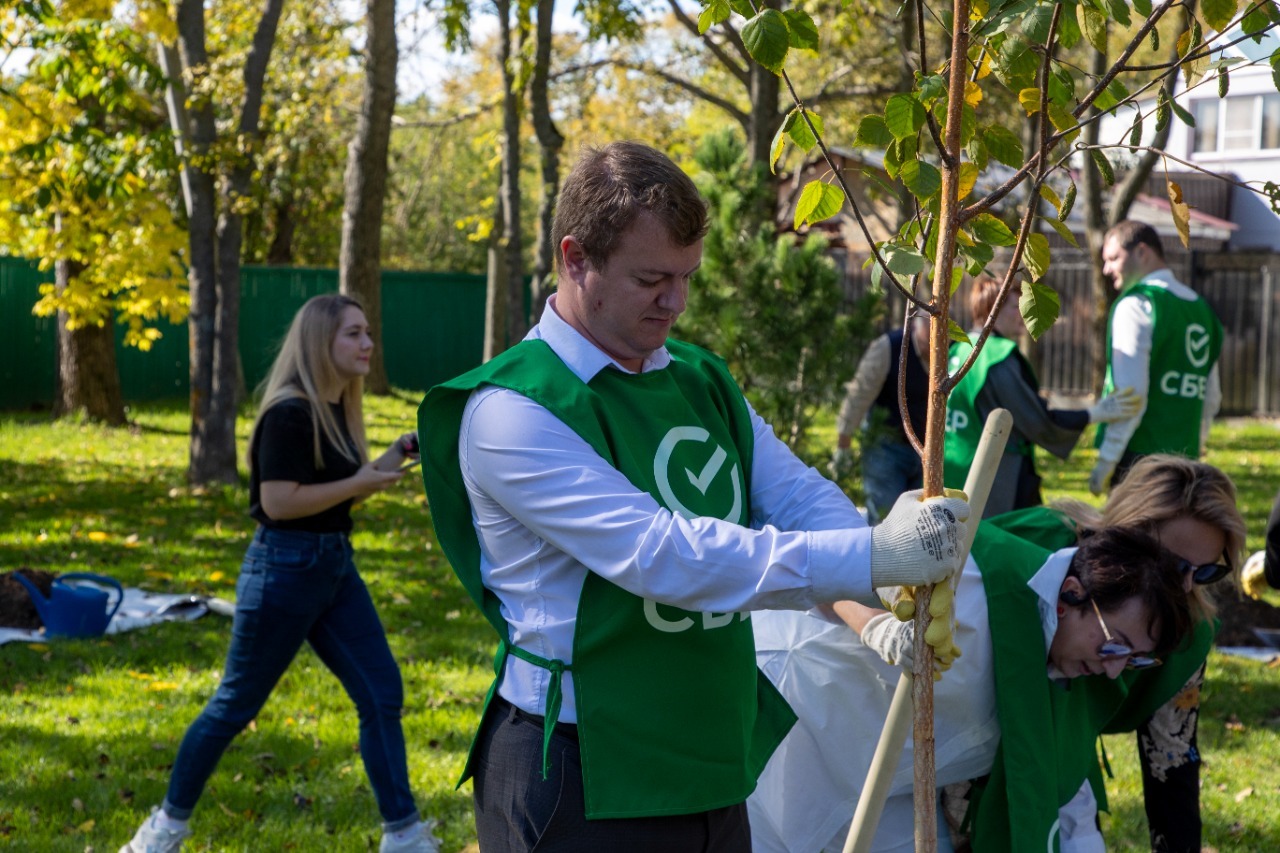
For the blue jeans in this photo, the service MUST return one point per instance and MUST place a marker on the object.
(889, 468)
(297, 586)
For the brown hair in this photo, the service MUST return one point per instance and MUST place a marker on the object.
(1117, 564)
(610, 186)
(1160, 488)
(1130, 232)
(982, 298)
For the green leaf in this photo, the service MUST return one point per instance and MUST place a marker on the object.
(1183, 114)
(804, 32)
(1036, 256)
(903, 259)
(1094, 25)
(921, 178)
(1038, 305)
(767, 39)
(1004, 145)
(1016, 64)
(978, 152)
(990, 230)
(903, 116)
(976, 257)
(1119, 12)
(957, 334)
(779, 141)
(1035, 24)
(1142, 7)
(1218, 13)
(1163, 111)
(799, 131)
(818, 201)
(1063, 231)
(715, 12)
(873, 131)
(931, 88)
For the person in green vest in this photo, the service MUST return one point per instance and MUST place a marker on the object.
(1001, 378)
(616, 509)
(1163, 341)
(1190, 506)
(1046, 636)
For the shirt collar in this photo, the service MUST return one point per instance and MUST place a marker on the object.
(580, 355)
(1047, 585)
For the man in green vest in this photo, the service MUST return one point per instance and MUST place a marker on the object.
(616, 509)
(1163, 341)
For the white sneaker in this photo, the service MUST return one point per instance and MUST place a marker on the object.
(423, 840)
(154, 839)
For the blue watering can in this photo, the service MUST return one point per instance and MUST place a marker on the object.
(71, 610)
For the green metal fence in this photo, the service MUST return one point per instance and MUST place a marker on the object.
(433, 329)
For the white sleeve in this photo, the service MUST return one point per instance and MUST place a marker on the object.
(862, 390)
(1078, 822)
(552, 482)
(1212, 403)
(1131, 332)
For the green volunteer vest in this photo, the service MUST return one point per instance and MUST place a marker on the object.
(673, 715)
(1186, 338)
(964, 425)
(1046, 730)
(1136, 694)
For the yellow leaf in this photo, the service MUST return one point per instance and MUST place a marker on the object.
(141, 676)
(217, 576)
(161, 685)
(98, 536)
(972, 93)
(1030, 100)
(1181, 212)
(87, 826)
(968, 177)
(1244, 795)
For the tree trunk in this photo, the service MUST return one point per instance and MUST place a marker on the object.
(359, 265)
(550, 141)
(88, 379)
(495, 303)
(511, 244)
(215, 244)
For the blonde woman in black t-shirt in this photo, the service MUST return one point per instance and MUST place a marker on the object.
(308, 464)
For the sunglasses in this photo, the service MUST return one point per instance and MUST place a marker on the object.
(1208, 573)
(1115, 649)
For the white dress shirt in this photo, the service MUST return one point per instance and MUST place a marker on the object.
(840, 687)
(547, 509)
(1131, 330)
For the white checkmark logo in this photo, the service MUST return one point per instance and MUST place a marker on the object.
(709, 470)
(701, 481)
(1197, 345)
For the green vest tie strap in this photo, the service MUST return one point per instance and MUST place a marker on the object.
(555, 696)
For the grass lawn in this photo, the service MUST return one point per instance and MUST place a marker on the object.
(90, 727)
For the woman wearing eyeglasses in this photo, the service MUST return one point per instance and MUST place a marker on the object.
(1190, 507)
(1045, 636)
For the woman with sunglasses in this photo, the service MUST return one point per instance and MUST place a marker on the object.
(1045, 637)
(1190, 507)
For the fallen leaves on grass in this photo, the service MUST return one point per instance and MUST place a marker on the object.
(1241, 796)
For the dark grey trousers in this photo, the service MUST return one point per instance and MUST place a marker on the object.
(517, 810)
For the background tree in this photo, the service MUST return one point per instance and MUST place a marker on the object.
(218, 168)
(82, 150)
(360, 264)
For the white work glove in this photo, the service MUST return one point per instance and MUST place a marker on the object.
(919, 542)
(1253, 577)
(1117, 406)
(841, 463)
(1101, 475)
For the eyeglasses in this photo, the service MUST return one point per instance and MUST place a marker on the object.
(1208, 573)
(1115, 649)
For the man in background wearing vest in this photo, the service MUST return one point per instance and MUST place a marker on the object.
(890, 465)
(1163, 341)
(614, 506)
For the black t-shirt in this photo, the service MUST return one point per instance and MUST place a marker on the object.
(283, 449)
